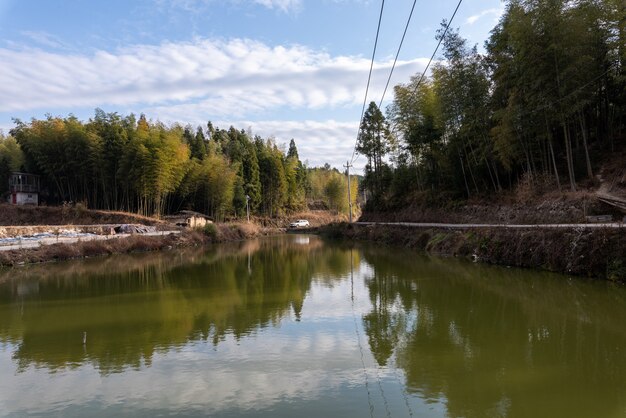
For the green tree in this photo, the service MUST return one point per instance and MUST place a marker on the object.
(374, 142)
(11, 159)
(274, 185)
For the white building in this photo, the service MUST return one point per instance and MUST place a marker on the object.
(24, 189)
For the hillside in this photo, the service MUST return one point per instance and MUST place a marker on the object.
(526, 204)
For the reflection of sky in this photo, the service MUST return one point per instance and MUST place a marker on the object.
(293, 366)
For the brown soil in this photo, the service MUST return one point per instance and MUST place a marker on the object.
(549, 208)
(315, 217)
(67, 215)
(612, 174)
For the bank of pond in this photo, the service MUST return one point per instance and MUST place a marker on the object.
(598, 253)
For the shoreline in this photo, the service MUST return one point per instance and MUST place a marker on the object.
(227, 232)
(598, 253)
(90, 233)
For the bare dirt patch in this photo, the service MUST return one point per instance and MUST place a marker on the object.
(11, 215)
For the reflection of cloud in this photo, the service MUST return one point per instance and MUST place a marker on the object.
(274, 366)
(247, 374)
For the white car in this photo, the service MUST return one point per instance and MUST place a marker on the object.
(300, 223)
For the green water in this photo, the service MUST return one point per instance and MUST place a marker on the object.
(292, 326)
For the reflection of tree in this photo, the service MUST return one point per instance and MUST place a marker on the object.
(156, 302)
(492, 342)
(384, 323)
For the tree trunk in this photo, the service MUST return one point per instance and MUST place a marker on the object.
(569, 156)
(495, 170)
(556, 172)
(583, 128)
(464, 175)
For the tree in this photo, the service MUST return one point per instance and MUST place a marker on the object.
(293, 151)
(272, 175)
(11, 159)
(374, 141)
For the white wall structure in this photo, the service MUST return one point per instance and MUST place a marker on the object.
(24, 189)
(22, 198)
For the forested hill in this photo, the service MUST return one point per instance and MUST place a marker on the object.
(120, 163)
(543, 105)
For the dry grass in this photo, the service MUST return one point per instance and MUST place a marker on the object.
(83, 249)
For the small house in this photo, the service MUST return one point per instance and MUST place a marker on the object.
(189, 219)
(24, 189)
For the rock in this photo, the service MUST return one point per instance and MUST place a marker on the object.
(134, 229)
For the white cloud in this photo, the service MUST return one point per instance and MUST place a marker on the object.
(237, 81)
(44, 38)
(5, 128)
(285, 6)
(319, 142)
(496, 12)
(282, 5)
(232, 78)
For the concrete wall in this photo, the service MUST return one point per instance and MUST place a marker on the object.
(22, 198)
(196, 222)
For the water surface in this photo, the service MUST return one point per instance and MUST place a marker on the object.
(292, 326)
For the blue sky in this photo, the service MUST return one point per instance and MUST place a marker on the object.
(281, 68)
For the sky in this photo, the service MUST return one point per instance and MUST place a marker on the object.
(279, 68)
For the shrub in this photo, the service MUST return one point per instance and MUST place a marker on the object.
(210, 230)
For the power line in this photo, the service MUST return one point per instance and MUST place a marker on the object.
(438, 44)
(358, 336)
(353, 159)
(406, 27)
(369, 77)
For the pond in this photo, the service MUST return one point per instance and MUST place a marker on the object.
(296, 326)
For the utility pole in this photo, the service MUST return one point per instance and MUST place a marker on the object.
(349, 194)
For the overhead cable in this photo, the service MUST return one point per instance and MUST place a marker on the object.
(369, 77)
(438, 44)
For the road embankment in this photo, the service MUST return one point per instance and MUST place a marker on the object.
(598, 252)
